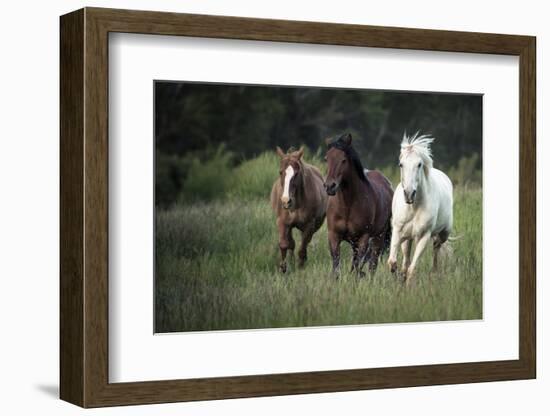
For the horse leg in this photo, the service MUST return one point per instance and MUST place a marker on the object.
(334, 241)
(355, 260)
(421, 244)
(406, 247)
(387, 237)
(394, 245)
(291, 246)
(285, 243)
(438, 242)
(364, 254)
(376, 246)
(307, 234)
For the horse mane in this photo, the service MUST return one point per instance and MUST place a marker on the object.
(351, 153)
(419, 144)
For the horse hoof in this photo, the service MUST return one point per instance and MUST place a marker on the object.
(361, 275)
(409, 278)
(282, 268)
(409, 282)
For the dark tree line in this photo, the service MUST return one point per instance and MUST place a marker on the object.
(195, 118)
(252, 119)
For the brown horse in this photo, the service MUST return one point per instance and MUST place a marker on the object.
(299, 201)
(359, 207)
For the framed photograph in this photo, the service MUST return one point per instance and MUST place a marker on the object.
(255, 207)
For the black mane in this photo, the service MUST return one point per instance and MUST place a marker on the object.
(340, 144)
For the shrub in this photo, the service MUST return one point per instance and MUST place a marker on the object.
(209, 179)
(170, 173)
(467, 171)
(213, 175)
(254, 177)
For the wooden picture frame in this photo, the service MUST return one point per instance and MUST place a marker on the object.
(84, 207)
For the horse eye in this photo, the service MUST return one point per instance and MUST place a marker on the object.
(343, 160)
(401, 165)
(420, 165)
(280, 172)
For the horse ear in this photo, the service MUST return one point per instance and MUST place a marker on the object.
(347, 139)
(280, 152)
(300, 152)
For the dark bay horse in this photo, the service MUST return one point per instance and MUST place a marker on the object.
(359, 207)
(299, 201)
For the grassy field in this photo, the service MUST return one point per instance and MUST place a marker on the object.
(216, 269)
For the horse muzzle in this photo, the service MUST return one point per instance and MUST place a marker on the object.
(410, 196)
(331, 188)
(287, 203)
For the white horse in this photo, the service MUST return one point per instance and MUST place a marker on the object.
(422, 207)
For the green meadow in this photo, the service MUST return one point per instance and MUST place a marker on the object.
(216, 255)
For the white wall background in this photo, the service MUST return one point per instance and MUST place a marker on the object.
(29, 160)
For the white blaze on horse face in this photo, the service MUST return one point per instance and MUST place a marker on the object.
(289, 173)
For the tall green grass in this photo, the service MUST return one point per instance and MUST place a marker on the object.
(216, 268)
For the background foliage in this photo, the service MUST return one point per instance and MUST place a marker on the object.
(216, 128)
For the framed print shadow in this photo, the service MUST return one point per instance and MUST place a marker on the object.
(273, 186)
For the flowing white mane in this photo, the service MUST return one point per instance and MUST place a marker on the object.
(419, 144)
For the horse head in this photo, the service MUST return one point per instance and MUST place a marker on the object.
(290, 174)
(414, 163)
(342, 162)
